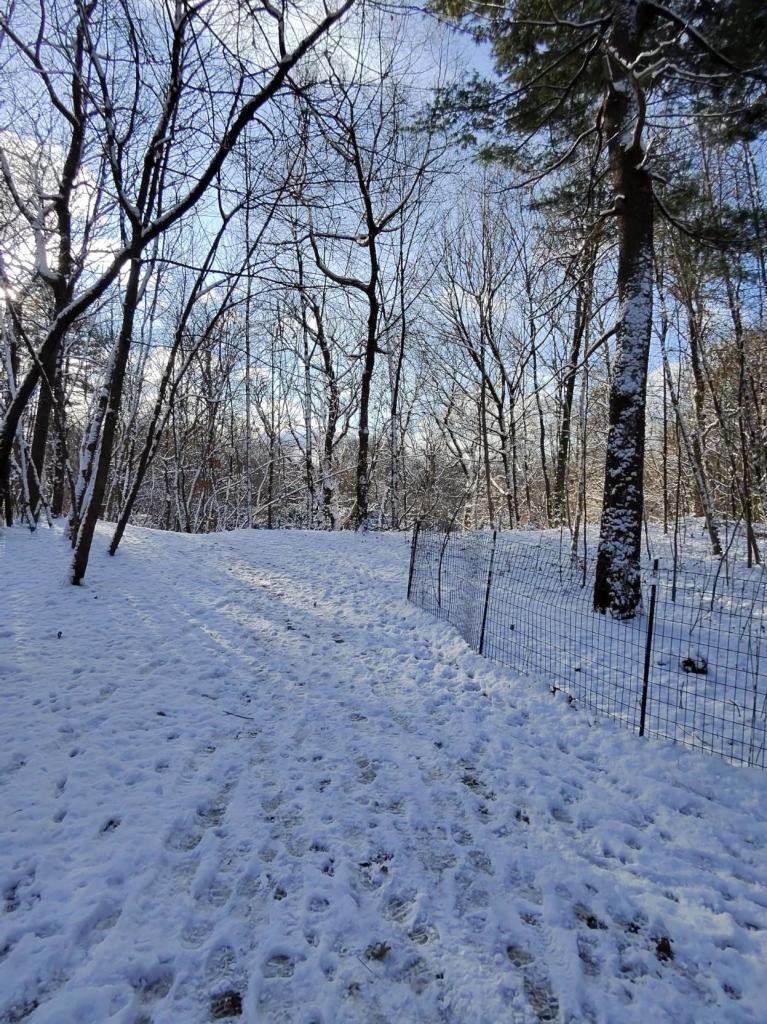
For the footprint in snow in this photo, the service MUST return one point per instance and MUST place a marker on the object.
(417, 973)
(19, 1011)
(423, 934)
(280, 965)
(519, 956)
(182, 840)
(93, 932)
(399, 908)
(541, 998)
(226, 1004)
(560, 815)
(194, 933)
(269, 804)
(154, 986)
(368, 771)
(480, 861)
(211, 814)
(461, 835)
(587, 956)
(222, 966)
(216, 894)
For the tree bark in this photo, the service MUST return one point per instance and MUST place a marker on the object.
(365, 385)
(582, 315)
(94, 494)
(617, 585)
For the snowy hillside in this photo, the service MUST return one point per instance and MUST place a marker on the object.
(240, 778)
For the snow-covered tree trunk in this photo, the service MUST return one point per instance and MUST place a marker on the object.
(89, 452)
(617, 586)
(94, 494)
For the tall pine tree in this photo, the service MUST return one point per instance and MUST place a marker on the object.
(591, 75)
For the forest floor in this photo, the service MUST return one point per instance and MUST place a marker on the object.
(241, 778)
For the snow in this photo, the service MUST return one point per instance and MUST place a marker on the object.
(240, 768)
(537, 616)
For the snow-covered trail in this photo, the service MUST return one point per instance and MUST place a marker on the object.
(247, 766)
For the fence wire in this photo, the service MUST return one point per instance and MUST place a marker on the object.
(696, 653)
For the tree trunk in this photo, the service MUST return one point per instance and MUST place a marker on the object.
(328, 488)
(61, 467)
(617, 585)
(395, 430)
(702, 492)
(484, 441)
(693, 439)
(11, 354)
(90, 449)
(308, 445)
(582, 315)
(21, 399)
(541, 434)
(38, 448)
(506, 458)
(94, 495)
(365, 385)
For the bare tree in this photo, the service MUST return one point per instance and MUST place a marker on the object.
(150, 176)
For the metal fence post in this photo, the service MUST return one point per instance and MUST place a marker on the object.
(439, 570)
(648, 647)
(487, 596)
(413, 549)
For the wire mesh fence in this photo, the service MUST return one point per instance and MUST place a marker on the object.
(691, 667)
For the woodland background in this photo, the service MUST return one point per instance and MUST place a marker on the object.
(253, 275)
